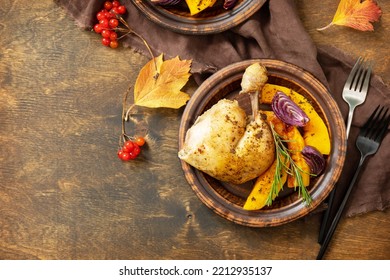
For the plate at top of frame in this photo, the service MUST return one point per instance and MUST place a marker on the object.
(212, 20)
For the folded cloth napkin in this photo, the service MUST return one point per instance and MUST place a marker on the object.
(275, 31)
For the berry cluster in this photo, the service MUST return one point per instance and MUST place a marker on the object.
(108, 22)
(131, 149)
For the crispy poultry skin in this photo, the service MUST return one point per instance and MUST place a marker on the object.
(223, 144)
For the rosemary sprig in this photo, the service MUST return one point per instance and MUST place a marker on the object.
(285, 162)
(280, 164)
(302, 191)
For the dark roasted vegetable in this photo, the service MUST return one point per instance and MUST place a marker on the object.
(166, 2)
(288, 111)
(228, 4)
(314, 159)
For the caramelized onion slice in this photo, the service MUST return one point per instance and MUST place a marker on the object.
(229, 4)
(314, 159)
(288, 111)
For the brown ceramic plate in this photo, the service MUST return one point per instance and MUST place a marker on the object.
(212, 20)
(227, 199)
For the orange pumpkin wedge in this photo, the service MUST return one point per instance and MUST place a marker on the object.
(258, 197)
(295, 144)
(196, 6)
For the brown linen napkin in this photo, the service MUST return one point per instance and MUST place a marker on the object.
(275, 31)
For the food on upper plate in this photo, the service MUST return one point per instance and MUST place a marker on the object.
(196, 6)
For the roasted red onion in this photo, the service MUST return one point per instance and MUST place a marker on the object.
(228, 4)
(288, 111)
(314, 159)
(166, 2)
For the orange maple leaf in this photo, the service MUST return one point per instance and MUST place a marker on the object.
(356, 14)
(164, 89)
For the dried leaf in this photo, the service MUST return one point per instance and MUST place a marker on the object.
(356, 14)
(161, 87)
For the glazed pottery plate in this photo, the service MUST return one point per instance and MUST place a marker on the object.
(212, 20)
(226, 199)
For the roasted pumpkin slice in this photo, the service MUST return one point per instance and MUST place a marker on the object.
(295, 144)
(196, 6)
(258, 197)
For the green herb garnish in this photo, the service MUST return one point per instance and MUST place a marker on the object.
(284, 161)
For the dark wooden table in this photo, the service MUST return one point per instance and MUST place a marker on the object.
(65, 195)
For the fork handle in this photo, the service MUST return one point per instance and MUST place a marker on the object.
(326, 217)
(350, 117)
(336, 219)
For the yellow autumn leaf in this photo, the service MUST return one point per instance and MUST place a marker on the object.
(161, 87)
(356, 14)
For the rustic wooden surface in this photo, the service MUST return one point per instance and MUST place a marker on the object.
(65, 195)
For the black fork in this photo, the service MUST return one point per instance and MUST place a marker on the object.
(368, 142)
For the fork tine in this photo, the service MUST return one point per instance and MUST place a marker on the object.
(357, 76)
(376, 125)
(364, 82)
(360, 76)
(384, 124)
(370, 121)
(351, 76)
(364, 87)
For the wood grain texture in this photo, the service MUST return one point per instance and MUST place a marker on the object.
(373, 45)
(65, 195)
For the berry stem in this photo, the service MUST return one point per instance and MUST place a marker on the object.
(126, 116)
(123, 110)
(123, 135)
(131, 31)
